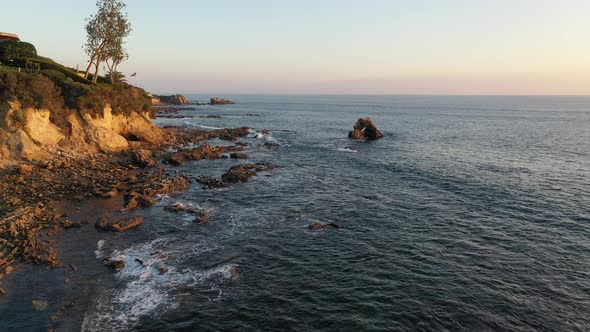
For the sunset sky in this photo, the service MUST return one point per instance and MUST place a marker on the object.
(332, 46)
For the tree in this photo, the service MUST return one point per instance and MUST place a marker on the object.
(117, 77)
(106, 31)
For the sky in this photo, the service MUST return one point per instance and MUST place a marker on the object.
(457, 47)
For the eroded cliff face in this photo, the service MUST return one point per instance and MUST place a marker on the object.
(29, 134)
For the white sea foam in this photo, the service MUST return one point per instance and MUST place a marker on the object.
(206, 127)
(146, 288)
(347, 149)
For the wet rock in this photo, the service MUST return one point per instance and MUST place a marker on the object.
(220, 101)
(162, 269)
(135, 200)
(178, 207)
(365, 129)
(316, 226)
(67, 224)
(237, 155)
(236, 174)
(202, 217)
(235, 273)
(115, 264)
(144, 158)
(243, 173)
(125, 224)
(211, 182)
(205, 151)
(40, 305)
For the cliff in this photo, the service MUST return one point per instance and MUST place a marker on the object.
(29, 134)
(46, 113)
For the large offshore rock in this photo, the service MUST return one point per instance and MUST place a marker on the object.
(220, 101)
(365, 129)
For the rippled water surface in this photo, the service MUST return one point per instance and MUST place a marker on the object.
(473, 213)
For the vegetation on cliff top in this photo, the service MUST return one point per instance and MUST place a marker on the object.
(39, 82)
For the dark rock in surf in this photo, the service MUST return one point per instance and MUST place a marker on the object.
(365, 129)
(316, 226)
(237, 155)
(115, 264)
(143, 158)
(134, 200)
(125, 224)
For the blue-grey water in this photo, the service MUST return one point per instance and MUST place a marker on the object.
(472, 214)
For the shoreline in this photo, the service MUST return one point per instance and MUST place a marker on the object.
(38, 197)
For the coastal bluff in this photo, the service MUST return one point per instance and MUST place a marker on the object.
(29, 134)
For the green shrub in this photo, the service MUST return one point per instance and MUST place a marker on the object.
(11, 50)
(59, 89)
(19, 116)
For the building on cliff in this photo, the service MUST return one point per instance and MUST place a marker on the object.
(4, 36)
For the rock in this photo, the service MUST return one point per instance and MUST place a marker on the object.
(220, 101)
(237, 155)
(202, 152)
(40, 305)
(211, 182)
(170, 100)
(135, 200)
(143, 158)
(24, 169)
(236, 174)
(202, 217)
(365, 129)
(243, 173)
(67, 224)
(235, 273)
(162, 269)
(316, 226)
(115, 264)
(122, 225)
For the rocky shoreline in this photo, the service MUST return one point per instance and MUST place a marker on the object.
(31, 192)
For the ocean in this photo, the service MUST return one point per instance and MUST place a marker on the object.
(471, 214)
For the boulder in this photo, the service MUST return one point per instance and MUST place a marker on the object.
(316, 226)
(220, 101)
(115, 264)
(365, 129)
(144, 158)
(135, 200)
(237, 155)
(122, 225)
(170, 100)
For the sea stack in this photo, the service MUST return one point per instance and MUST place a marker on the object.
(365, 129)
(220, 101)
(170, 100)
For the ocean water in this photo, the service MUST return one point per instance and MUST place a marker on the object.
(472, 214)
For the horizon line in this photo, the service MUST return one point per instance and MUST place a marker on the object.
(372, 94)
